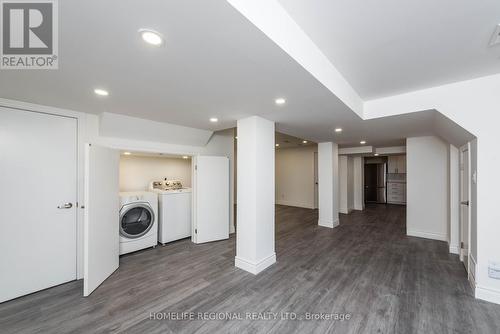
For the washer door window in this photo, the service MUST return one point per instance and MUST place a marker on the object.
(136, 220)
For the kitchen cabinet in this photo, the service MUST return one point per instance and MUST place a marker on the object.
(396, 192)
(396, 164)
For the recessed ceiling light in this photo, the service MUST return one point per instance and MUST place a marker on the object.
(101, 92)
(277, 145)
(304, 142)
(214, 119)
(280, 101)
(338, 130)
(151, 37)
(362, 142)
(376, 154)
(185, 157)
(236, 137)
(127, 153)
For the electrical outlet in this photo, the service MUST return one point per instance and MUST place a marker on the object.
(495, 39)
(494, 270)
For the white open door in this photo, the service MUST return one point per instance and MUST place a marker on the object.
(465, 178)
(210, 198)
(101, 224)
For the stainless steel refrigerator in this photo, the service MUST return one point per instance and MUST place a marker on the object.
(375, 183)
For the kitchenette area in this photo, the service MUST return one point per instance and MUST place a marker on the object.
(385, 179)
(396, 179)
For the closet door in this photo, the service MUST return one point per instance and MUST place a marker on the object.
(210, 199)
(38, 194)
(101, 224)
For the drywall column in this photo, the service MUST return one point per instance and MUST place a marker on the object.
(454, 199)
(328, 189)
(427, 188)
(255, 210)
(359, 184)
(343, 184)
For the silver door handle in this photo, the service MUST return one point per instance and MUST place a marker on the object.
(65, 206)
(465, 203)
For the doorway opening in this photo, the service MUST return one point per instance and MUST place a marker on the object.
(156, 187)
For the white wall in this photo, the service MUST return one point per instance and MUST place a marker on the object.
(136, 172)
(453, 199)
(295, 176)
(115, 125)
(427, 188)
(346, 184)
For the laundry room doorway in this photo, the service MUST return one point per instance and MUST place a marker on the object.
(162, 197)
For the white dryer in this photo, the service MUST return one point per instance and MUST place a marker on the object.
(174, 209)
(138, 221)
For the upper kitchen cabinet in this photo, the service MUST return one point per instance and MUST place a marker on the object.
(396, 164)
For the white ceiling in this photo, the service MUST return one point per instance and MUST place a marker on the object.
(386, 47)
(215, 63)
(287, 141)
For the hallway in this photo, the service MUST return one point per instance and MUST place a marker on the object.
(367, 268)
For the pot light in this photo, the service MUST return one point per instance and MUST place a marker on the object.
(236, 137)
(127, 153)
(151, 37)
(338, 130)
(376, 154)
(362, 142)
(277, 145)
(185, 157)
(101, 92)
(214, 119)
(280, 101)
(304, 142)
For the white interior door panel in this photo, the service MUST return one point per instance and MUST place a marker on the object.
(101, 224)
(38, 174)
(210, 199)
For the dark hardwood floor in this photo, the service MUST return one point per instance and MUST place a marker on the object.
(367, 268)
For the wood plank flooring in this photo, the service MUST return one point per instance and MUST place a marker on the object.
(367, 267)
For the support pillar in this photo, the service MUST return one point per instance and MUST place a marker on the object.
(256, 197)
(328, 186)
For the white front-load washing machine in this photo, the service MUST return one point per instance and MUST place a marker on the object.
(138, 221)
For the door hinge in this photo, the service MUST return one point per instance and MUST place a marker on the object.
(195, 231)
(462, 244)
(195, 167)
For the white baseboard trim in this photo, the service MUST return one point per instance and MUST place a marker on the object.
(295, 204)
(329, 224)
(427, 235)
(454, 249)
(490, 295)
(254, 267)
